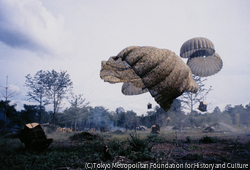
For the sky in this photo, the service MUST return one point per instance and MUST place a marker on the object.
(75, 36)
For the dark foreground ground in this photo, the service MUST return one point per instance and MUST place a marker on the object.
(189, 149)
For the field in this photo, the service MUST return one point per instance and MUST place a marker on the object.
(75, 150)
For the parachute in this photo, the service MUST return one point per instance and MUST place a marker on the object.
(202, 59)
(129, 89)
(142, 69)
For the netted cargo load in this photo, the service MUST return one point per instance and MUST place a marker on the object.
(34, 138)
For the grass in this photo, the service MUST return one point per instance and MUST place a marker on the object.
(169, 146)
(191, 147)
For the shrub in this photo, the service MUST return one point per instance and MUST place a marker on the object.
(116, 147)
(138, 144)
(188, 140)
(85, 136)
(155, 138)
(139, 149)
(208, 139)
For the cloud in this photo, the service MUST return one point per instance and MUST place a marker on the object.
(27, 24)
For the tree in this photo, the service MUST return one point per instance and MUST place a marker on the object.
(37, 86)
(236, 113)
(216, 110)
(12, 121)
(76, 102)
(100, 117)
(160, 115)
(121, 119)
(131, 120)
(48, 88)
(59, 83)
(245, 118)
(190, 99)
(8, 95)
(29, 114)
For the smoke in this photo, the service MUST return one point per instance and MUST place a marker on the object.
(100, 118)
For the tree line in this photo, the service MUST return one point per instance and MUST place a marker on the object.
(50, 87)
(88, 117)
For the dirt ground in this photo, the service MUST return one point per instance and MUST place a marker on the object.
(189, 146)
(229, 146)
(193, 153)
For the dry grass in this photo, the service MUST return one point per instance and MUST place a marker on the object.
(169, 146)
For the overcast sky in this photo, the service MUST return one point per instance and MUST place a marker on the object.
(77, 35)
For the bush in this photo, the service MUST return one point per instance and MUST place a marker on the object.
(139, 149)
(207, 139)
(138, 144)
(117, 148)
(85, 136)
(155, 138)
(188, 140)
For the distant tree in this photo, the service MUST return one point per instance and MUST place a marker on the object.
(177, 117)
(7, 94)
(230, 111)
(120, 110)
(216, 110)
(37, 87)
(64, 119)
(59, 83)
(131, 120)
(236, 113)
(85, 121)
(176, 106)
(159, 115)
(151, 117)
(76, 101)
(248, 107)
(190, 99)
(119, 117)
(13, 120)
(30, 113)
(144, 120)
(245, 118)
(99, 117)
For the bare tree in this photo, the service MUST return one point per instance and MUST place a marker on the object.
(190, 99)
(76, 102)
(6, 95)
